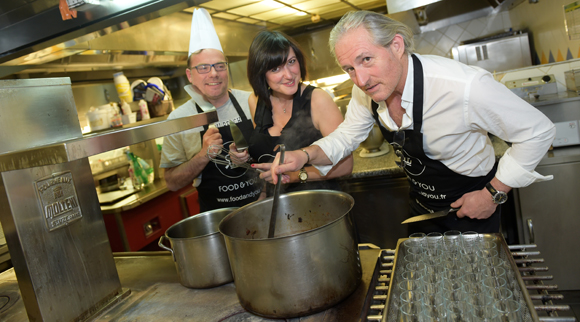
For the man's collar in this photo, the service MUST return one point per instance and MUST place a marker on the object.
(407, 95)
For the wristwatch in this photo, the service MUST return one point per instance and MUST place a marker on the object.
(498, 197)
(303, 175)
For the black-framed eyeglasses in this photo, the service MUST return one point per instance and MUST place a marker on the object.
(206, 68)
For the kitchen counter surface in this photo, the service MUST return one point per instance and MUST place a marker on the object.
(149, 192)
(384, 165)
(156, 295)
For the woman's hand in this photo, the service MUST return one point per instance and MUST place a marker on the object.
(238, 157)
(267, 174)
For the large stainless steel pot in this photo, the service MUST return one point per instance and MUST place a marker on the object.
(311, 264)
(199, 250)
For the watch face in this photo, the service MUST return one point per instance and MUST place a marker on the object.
(303, 176)
(500, 197)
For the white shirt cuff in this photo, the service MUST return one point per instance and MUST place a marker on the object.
(510, 173)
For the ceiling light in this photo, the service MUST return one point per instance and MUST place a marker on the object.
(301, 13)
(315, 18)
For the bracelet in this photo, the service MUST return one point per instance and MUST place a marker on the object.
(307, 155)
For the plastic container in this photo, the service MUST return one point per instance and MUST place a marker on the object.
(99, 119)
(123, 87)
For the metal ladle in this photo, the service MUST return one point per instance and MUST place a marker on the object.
(276, 198)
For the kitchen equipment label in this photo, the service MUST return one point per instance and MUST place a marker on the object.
(58, 198)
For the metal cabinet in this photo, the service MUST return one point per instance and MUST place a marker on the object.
(549, 216)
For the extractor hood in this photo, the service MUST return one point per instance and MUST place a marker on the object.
(141, 37)
(431, 15)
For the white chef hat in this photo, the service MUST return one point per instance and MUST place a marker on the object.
(203, 35)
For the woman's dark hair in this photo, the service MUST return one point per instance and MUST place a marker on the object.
(270, 49)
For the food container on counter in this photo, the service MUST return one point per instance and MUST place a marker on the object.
(99, 119)
(311, 264)
(199, 250)
(573, 80)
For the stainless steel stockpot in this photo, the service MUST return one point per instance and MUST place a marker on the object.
(311, 264)
(199, 250)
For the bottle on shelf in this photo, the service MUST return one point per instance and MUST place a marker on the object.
(123, 87)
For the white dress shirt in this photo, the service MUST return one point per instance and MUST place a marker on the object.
(462, 104)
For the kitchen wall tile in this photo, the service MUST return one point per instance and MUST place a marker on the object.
(475, 27)
(423, 47)
(463, 25)
(453, 32)
(466, 35)
(438, 52)
(444, 45)
(432, 36)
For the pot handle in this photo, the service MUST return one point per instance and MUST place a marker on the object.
(165, 247)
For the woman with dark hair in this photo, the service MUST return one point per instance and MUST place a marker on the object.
(286, 111)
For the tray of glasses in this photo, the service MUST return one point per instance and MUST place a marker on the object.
(456, 277)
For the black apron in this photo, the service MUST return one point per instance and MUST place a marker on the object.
(433, 185)
(221, 186)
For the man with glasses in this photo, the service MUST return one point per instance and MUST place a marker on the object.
(437, 113)
(185, 155)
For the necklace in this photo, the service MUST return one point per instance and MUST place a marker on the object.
(284, 110)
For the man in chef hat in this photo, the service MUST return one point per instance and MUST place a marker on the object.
(185, 155)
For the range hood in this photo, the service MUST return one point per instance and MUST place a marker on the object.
(141, 37)
(429, 15)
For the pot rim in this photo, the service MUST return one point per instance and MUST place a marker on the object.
(348, 196)
(203, 214)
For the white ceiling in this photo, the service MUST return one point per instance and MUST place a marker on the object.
(285, 15)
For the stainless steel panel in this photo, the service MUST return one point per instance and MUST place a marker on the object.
(496, 55)
(41, 106)
(62, 273)
(395, 6)
(96, 143)
(553, 208)
(560, 107)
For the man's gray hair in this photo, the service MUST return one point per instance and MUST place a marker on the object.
(381, 28)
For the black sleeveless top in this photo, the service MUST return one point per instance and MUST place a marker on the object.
(299, 132)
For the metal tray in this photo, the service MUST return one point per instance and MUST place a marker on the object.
(517, 286)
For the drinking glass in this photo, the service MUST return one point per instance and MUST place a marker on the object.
(452, 240)
(457, 311)
(509, 310)
(434, 240)
(410, 312)
(452, 290)
(483, 314)
(410, 285)
(492, 271)
(414, 244)
(411, 296)
(502, 294)
(412, 275)
(471, 241)
(434, 307)
(493, 285)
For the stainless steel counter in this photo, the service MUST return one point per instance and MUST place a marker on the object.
(156, 295)
(149, 192)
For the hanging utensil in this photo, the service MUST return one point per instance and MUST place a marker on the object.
(428, 216)
(218, 154)
(239, 139)
(275, 200)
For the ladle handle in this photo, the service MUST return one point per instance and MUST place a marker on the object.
(275, 200)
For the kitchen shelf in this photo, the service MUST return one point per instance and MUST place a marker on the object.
(98, 142)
